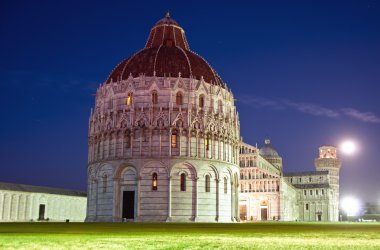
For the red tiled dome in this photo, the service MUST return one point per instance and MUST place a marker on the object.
(166, 53)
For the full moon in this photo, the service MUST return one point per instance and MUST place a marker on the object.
(348, 147)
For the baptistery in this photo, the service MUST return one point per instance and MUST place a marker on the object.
(164, 137)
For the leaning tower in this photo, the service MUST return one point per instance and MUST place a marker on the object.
(328, 161)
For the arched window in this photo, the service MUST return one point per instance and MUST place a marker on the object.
(104, 182)
(201, 101)
(154, 181)
(307, 206)
(178, 98)
(183, 182)
(154, 97)
(173, 140)
(129, 99)
(110, 103)
(207, 184)
(225, 185)
(220, 106)
(127, 141)
(207, 143)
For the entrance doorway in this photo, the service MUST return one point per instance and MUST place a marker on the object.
(264, 213)
(264, 210)
(41, 212)
(243, 212)
(128, 205)
(319, 216)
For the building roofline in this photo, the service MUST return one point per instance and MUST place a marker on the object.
(40, 189)
(306, 173)
(312, 185)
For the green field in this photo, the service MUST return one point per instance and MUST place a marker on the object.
(275, 235)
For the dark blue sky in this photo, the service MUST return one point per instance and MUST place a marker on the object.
(304, 73)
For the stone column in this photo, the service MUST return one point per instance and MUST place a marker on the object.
(6, 206)
(195, 199)
(179, 141)
(232, 199)
(109, 139)
(169, 199)
(237, 217)
(27, 208)
(217, 199)
(138, 199)
(160, 141)
(116, 200)
(197, 147)
(102, 147)
(14, 207)
(150, 141)
(21, 208)
(132, 139)
(96, 184)
(141, 140)
(219, 149)
(1, 206)
(170, 142)
(189, 143)
(122, 143)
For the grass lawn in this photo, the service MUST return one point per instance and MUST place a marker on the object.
(271, 235)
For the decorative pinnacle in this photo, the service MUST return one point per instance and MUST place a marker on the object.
(167, 13)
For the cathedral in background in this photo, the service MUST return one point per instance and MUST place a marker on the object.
(267, 193)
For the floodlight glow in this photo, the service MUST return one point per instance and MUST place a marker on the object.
(351, 206)
(348, 147)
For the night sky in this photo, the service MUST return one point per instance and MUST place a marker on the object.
(304, 73)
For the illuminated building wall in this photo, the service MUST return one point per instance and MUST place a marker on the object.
(163, 116)
(33, 203)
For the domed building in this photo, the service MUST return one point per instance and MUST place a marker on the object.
(164, 137)
(267, 193)
(270, 154)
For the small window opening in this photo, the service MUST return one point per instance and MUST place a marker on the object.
(207, 184)
(129, 99)
(154, 181)
(183, 182)
(104, 180)
(201, 101)
(154, 97)
(178, 98)
(225, 185)
(174, 140)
